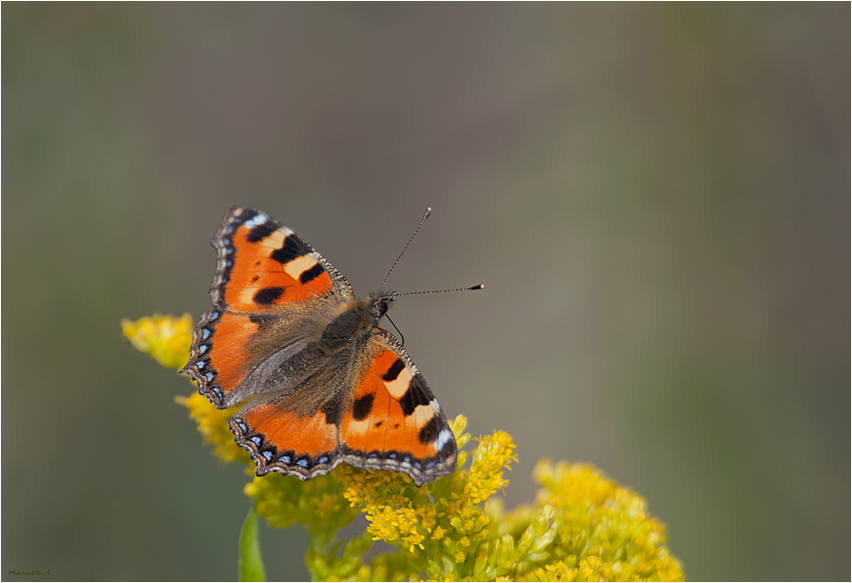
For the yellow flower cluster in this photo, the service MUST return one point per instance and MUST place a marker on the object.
(166, 338)
(440, 527)
(582, 527)
(213, 426)
(586, 528)
(317, 503)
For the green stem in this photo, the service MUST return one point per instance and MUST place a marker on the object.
(251, 563)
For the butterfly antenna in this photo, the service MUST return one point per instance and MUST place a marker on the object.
(423, 220)
(441, 291)
(437, 291)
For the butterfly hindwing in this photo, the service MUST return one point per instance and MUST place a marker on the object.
(280, 440)
(388, 420)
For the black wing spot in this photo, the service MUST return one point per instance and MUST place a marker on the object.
(429, 432)
(260, 232)
(247, 215)
(292, 248)
(362, 407)
(413, 397)
(379, 424)
(449, 448)
(268, 295)
(312, 273)
(393, 372)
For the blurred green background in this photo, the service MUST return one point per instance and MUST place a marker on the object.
(656, 196)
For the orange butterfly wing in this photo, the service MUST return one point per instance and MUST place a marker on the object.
(394, 418)
(386, 420)
(264, 273)
(307, 408)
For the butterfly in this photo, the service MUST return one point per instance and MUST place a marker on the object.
(318, 381)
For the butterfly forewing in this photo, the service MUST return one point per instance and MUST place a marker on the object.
(394, 419)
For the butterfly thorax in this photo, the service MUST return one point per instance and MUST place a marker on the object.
(357, 319)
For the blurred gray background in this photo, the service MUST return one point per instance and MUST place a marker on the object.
(656, 196)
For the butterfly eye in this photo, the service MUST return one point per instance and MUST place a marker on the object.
(380, 307)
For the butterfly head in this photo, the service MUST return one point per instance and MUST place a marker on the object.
(380, 303)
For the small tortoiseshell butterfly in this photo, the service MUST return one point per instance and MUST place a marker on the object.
(319, 382)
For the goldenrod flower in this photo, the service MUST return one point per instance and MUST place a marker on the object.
(595, 529)
(438, 534)
(582, 526)
(318, 503)
(166, 338)
(213, 426)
